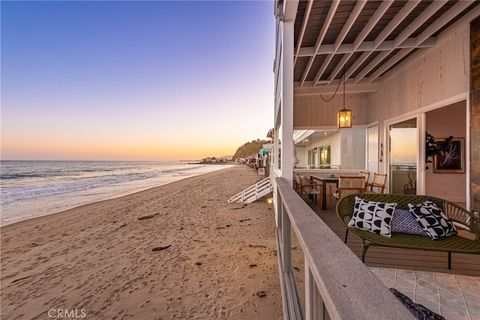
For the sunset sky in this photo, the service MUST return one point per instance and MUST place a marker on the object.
(134, 80)
(403, 142)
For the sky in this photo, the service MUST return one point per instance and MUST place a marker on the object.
(134, 80)
(403, 142)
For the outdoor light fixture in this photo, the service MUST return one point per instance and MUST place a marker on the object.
(344, 116)
(270, 200)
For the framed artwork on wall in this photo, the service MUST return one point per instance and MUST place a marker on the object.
(452, 160)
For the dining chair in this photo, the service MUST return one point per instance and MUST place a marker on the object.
(311, 189)
(379, 181)
(366, 175)
(350, 185)
(297, 182)
(303, 185)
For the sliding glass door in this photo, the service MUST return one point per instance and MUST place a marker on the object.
(372, 150)
(403, 157)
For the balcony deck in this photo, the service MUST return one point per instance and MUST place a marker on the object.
(464, 264)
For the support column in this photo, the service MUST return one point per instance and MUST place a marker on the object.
(286, 133)
(421, 128)
(475, 114)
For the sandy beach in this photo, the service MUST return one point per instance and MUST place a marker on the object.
(178, 251)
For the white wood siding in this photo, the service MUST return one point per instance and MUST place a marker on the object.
(311, 111)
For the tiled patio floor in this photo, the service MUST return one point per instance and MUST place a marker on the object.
(453, 296)
(422, 275)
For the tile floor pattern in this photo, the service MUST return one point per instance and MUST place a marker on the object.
(456, 297)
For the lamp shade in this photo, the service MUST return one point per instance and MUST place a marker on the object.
(344, 118)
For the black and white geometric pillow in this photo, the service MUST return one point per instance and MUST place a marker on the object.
(433, 220)
(419, 311)
(373, 216)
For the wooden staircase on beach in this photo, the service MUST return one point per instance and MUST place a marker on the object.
(255, 192)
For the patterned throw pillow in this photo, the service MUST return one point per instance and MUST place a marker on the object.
(419, 311)
(433, 220)
(373, 216)
(405, 222)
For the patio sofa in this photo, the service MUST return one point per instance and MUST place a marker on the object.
(463, 219)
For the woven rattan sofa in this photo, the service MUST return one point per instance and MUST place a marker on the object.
(463, 219)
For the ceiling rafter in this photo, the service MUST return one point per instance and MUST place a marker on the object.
(434, 27)
(361, 36)
(420, 20)
(368, 39)
(321, 36)
(346, 28)
(304, 27)
(399, 17)
(366, 46)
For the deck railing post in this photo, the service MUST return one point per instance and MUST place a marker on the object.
(286, 235)
(314, 308)
(278, 214)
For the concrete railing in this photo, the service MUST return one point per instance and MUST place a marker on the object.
(337, 284)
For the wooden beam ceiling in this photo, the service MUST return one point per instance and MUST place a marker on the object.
(367, 38)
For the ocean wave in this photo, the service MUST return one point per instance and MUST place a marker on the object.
(26, 198)
(18, 193)
(5, 174)
(76, 178)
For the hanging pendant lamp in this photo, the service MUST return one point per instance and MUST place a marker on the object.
(344, 116)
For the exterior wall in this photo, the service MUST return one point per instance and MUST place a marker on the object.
(347, 149)
(332, 140)
(441, 123)
(283, 117)
(310, 111)
(353, 149)
(428, 77)
(301, 154)
(433, 75)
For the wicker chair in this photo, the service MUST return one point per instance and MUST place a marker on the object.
(349, 185)
(366, 175)
(457, 214)
(379, 181)
(302, 185)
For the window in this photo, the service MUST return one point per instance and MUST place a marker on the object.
(325, 156)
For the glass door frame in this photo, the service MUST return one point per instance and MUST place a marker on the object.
(420, 161)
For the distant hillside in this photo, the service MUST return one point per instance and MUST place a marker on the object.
(249, 149)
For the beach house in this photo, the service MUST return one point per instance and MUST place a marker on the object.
(377, 86)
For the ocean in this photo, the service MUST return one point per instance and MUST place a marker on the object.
(34, 188)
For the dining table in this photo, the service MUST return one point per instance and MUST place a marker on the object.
(324, 181)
